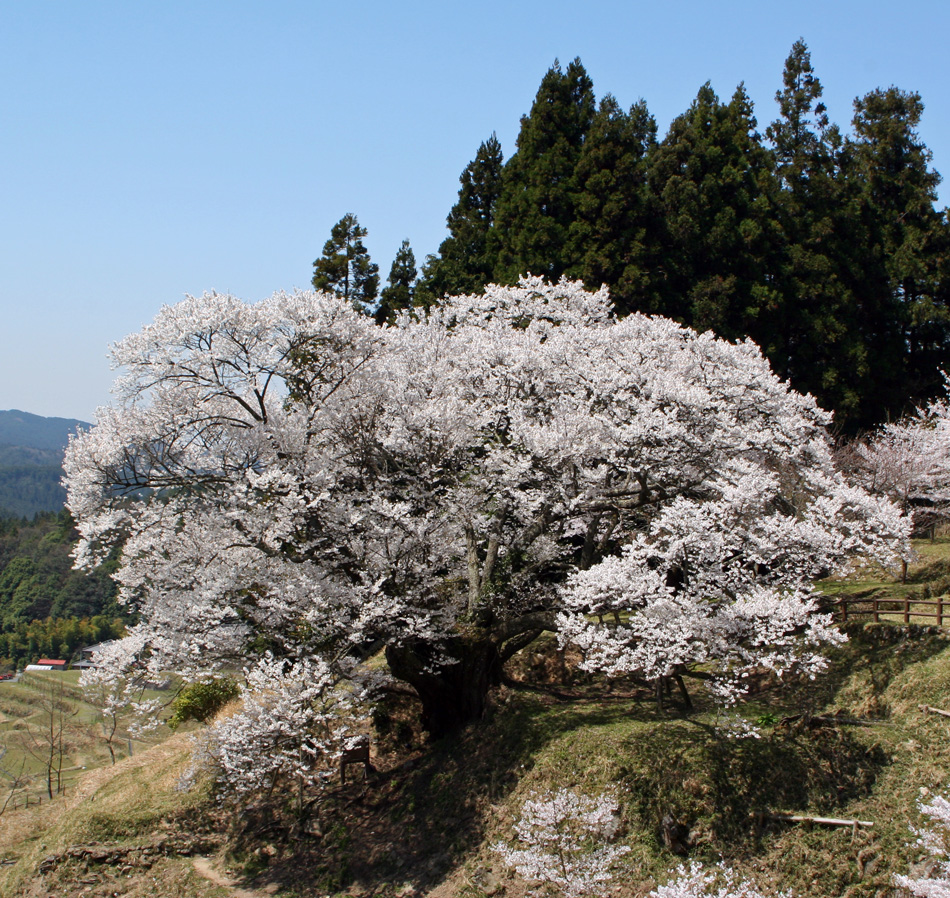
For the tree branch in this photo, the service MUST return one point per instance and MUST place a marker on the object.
(538, 620)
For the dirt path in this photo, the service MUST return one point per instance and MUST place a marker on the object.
(204, 867)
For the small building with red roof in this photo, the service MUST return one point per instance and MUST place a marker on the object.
(47, 664)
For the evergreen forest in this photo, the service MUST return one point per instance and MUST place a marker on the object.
(822, 245)
(47, 609)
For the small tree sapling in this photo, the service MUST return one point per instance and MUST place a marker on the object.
(563, 839)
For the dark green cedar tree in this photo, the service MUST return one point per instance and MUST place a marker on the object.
(397, 296)
(345, 267)
(908, 239)
(712, 184)
(464, 263)
(814, 333)
(611, 239)
(536, 207)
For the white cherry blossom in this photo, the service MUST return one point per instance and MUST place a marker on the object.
(288, 478)
(699, 881)
(563, 840)
(935, 839)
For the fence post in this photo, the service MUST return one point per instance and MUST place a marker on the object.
(844, 611)
(877, 618)
(939, 611)
(906, 610)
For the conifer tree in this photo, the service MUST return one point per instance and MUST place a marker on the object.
(908, 236)
(464, 264)
(712, 182)
(537, 203)
(611, 240)
(817, 336)
(345, 267)
(801, 136)
(397, 296)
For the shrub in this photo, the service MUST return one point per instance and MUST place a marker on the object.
(201, 701)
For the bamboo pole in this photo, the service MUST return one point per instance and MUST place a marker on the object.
(826, 821)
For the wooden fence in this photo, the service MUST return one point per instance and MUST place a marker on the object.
(25, 800)
(906, 610)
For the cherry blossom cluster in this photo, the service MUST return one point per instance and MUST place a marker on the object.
(289, 729)
(286, 477)
(909, 462)
(698, 881)
(723, 579)
(115, 684)
(936, 840)
(563, 840)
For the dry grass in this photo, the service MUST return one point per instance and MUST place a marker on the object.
(25, 731)
(426, 823)
(135, 802)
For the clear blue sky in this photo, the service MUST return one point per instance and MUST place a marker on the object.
(153, 150)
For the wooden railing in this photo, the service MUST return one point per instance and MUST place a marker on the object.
(906, 610)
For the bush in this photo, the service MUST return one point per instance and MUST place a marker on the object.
(201, 701)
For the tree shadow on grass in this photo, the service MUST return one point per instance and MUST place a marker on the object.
(410, 825)
(721, 789)
(414, 823)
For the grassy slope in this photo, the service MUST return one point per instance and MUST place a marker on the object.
(467, 795)
(134, 804)
(926, 580)
(425, 824)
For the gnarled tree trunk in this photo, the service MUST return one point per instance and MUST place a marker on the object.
(453, 679)
(452, 685)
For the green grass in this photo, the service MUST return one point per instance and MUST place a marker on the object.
(432, 817)
(435, 819)
(720, 789)
(466, 793)
(928, 579)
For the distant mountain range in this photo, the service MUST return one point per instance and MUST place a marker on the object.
(31, 462)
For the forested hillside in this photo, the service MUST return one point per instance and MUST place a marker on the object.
(35, 431)
(31, 462)
(46, 607)
(824, 247)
